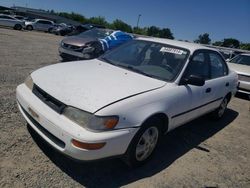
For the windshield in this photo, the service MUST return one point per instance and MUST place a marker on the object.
(241, 59)
(160, 61)
(96, 33)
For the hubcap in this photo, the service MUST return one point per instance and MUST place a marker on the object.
(147, 143)
(223, 107)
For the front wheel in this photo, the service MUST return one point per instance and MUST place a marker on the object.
(143, 145)
(29, 28)
(18, 27)
(220, 111)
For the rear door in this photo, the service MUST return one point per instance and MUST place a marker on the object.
(7, 21)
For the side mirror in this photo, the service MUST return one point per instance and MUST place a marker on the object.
(194, 80)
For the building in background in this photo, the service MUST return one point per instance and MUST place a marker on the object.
(37, 13)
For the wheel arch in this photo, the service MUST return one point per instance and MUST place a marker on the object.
(162, 117)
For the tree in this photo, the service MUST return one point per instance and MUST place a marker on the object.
(218, 43)
(231, 43)
(140, 31)
(245, 46)
(203, 39)
(120, 25)
(98, 20)
(153, 31)
(166, 33)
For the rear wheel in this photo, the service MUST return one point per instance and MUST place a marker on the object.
(29, 27)
(219, 112)
(18, 27)
(143, 144)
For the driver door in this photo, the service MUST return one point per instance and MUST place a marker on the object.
(194, 100)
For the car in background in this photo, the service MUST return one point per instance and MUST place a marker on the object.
(91, 44)
(20, 18)
(241, 65)
(85, 27)
(39, 25)
(84, 45)
(62, 29)
(122, 103)
(10, 21)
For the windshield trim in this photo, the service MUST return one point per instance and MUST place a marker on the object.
(103, 59)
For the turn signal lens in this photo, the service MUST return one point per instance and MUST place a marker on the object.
(110, 123)
(88, 146)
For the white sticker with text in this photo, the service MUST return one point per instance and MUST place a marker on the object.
(172, 50)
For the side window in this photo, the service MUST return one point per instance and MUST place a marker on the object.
(198, 66)
(7, 17)
(40, 22)
(218, 67)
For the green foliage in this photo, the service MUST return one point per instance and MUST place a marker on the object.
(140, 31)
(166, 33)
(203, 39)
(231, 43)
(245, 46)
(218, 43)
(120, 25)
(162, 33)
(98, 20)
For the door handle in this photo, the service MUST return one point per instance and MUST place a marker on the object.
(208, 90)
(227, 84)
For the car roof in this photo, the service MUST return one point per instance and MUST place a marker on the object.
(245, 54)
(187, 45)
(43, 20)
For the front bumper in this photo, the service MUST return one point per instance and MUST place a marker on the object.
(59, 131)
(70, 55)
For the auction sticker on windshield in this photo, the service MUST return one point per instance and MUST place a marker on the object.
(172, 50)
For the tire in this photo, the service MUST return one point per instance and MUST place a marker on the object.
(29, 27)
(220, 111)
(50, 30)
(18, 27)
(143, 144)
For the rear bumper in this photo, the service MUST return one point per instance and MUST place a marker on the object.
(59, 131)
(244, 87)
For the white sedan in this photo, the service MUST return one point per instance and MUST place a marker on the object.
(123, 102)
(10, 21)
(241, 65)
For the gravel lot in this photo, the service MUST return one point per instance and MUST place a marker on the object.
(202, 153)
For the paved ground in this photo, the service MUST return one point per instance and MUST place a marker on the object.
(202, 153)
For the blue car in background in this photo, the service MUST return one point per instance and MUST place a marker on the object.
(91, 44)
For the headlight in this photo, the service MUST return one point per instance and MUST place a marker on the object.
(88, 49)
(90, 121)
(29, 82)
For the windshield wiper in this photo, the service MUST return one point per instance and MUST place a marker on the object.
(134, 70)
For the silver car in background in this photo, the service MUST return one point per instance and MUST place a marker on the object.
(241, 65)
(10, 21)
(39, 25)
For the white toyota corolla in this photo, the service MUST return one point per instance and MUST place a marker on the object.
(122, 103)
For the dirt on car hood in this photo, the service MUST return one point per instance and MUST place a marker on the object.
(93, 84)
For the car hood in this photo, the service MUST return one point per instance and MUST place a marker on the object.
(77, 41)
(240, 69)
(91, 85)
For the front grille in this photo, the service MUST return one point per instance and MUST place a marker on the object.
(244, 78)
(52, 102)
(53, 138)
(72, 47)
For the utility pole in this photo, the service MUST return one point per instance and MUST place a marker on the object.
(138, 20)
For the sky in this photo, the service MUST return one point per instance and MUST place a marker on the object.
(187, 19)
